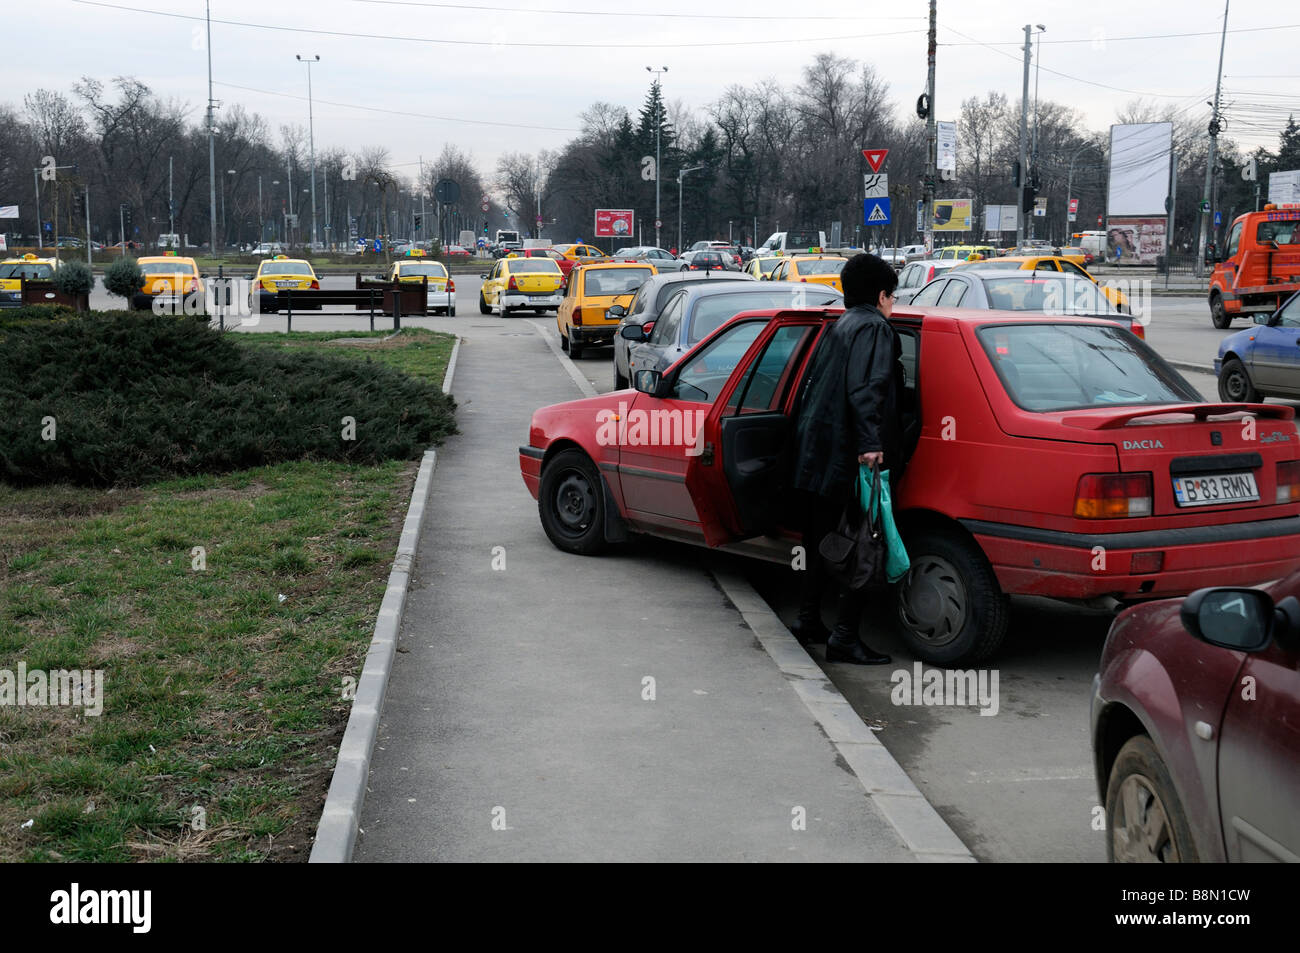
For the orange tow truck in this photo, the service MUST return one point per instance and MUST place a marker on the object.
(1260, 265)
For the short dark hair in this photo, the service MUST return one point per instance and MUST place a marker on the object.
(864, 277)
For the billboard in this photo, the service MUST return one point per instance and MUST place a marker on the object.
(1140, 154)
(999, 218)
(1135, 240)
(952, 215)
(1284, 187)
(613, 223)
(8, 211)
(947, 145)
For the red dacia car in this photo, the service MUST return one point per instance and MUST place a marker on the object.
(1057, 457)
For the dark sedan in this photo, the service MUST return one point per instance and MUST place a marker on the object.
(647, 305)
(694, 312)
(710, 260)
(1196, 728)
(663, 260)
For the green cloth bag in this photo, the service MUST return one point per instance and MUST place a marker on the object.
(897, 562)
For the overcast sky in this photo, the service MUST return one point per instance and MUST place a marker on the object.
(376, 56)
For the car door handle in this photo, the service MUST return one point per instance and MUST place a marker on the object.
(1204, 730)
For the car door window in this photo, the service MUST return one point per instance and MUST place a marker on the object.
(953, 293)
(1234, 239)
(669, 324)
(1070, 268)
(706, 371)
(765, 386)
(930, 293)
(1045, 265)
(1289, 316)
(908, 278)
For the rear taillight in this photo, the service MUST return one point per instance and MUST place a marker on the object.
(514, 285)
(1113, 496)
(192, 286)
(930, 276)
(804, 280)
(451, 284)
(1288, 481)
(1137, 329)
(577, 316)
(315, 284)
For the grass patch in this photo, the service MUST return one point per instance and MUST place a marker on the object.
(225, 611)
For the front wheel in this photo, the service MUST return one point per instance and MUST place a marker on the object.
(571, 504)
(1235, 385)
(1218, 313)
(1145, 820)
(483, 306)
(951, 609)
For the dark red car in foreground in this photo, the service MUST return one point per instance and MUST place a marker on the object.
(1196, 728)
(1057, 457)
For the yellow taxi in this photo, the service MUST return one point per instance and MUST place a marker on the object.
(581, 254)
(516, 284)
(964, 252)
(583, 318)
(442, 287)
(280, 273)
(761, 268)
(814, 269)
(168, 280)
(14, 271)
(1060, 263)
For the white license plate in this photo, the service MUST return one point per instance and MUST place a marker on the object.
(286, 284)
(1215, 489)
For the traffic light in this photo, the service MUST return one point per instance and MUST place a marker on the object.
(126, 215)
(1015, 173)
(79, 204)
(418, 219)
(1031, 194)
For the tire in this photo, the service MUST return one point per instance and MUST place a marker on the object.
(451, 312)
(950, 608)
(1218, 314)
(483, 306)
(1145, 820)
(1235, 385)
(564, 343)
(576, 350)
(620, 382)
(571, 503)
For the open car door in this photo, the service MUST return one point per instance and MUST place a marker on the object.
(740, 480)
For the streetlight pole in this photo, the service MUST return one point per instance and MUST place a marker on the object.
(680, 175)
(1069, 182)
(1215, 126)
(659, 101)
(212, 147)
(1038, 67)
(311, 143)
(1023, 158)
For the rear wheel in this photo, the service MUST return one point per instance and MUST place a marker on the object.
(451, 312)
(1218, 314)
(564, 343)
(483, 306)
(571, 504)
(576, 349)
(951, 609)
(1235, 385)
(1145, 820)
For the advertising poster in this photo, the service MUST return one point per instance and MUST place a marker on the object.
(613, 222)
(1135, 240)
(952, 215)
(1284, 187)
(947, 145)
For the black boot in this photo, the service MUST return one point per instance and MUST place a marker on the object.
(809, 630)
(843, 647)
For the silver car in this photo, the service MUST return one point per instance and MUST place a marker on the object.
(645, 308)
(663, 260)
(916, 275)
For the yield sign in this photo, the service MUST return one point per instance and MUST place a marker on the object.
(875, 158)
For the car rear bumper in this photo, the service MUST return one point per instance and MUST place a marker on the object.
(517, 300)
(1062, 565)
(587, 334)
(441, 299)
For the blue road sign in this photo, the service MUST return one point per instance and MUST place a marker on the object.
(1218, 218)
(379, 245)
(875, 211)
(47, 226)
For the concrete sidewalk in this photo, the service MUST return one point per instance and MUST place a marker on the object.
(517, 725)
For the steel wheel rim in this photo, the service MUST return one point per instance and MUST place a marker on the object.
(1235, 385)
(575, 502)
(1140, 830)
(933, 603)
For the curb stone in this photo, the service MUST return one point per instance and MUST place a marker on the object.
(336, 833)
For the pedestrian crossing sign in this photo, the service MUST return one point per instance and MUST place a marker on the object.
(876, 211)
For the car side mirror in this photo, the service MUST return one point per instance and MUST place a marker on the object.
(617, 311)
(1211, 254)
(1244, 620)
(484, 277)
(631, 332)
(650, 382)
(1263, 318)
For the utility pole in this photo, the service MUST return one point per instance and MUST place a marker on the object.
(1210, 156)
(681, 173)
(931, 132)
(171, 207)
(40, 243)
(659, 112)
(1024, 130)
(1033, 162)
(212, 146)
(311, 143)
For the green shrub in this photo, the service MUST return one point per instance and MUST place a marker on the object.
(123, 278)
(74, 278)
(137, 397)
(42, 313)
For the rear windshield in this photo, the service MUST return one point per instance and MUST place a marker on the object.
(1048, 367)
(287, 268)
(825, 267)
(669, 288)
(712, 311)
(802, 238)
(432, 270)
(995, 263)
(1049, 295)
(166, 268)
(614, 281)
(1284, 233)
(39, 272)
(767, 264)
(533, 266)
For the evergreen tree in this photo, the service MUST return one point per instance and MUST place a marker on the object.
(1288, 152)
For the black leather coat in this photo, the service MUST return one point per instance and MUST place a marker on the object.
(850, 405)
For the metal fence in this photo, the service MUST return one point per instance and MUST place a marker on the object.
(1180, 263)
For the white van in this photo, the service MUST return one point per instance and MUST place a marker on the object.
(798, 241)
